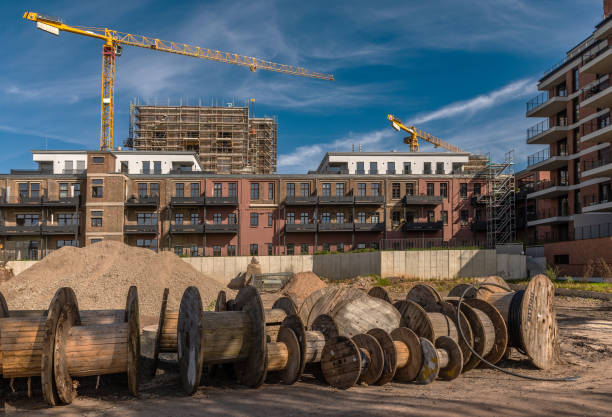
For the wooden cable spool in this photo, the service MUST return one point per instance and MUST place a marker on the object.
(530, 318)
(403, 356)
(323, 329)
(345, 361)
(94, 349)
(443, 360)
(207, 338)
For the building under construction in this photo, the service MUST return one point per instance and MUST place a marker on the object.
(226, 138)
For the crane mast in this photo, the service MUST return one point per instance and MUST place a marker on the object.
(112, 47)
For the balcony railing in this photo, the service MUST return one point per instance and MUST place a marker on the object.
(222, 201)
(20, 230)
(335, 227)
(301, 200)
(594, 125)
(187, 228)
(593, 231)
(373, 172)
(537, 101)
(478, 200)
(336, 199)
(390, 171)
(21, 200)
(538, 157)
(422, 226)
(604, 159)
(544, 185)
(369, 227)
(187, 201)
(143, 200)
(587, 93)
(369, 199)
(422, 199)
(221, 228)
(140, 228)
(300, 227)
(60, 229)
(548, 213)
(62, 201)
(595, 199)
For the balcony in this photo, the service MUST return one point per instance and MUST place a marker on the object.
(549, 189)
(478, 226)
(187, 201)
(597, 96)
(20, 201)
(543, 161)
(62, 202)
(410, 200)
(136, 229)
(599, 61)
(60, 229)
(300, 227)
(369, 227)
(544, 134)
(143, 201)
(601, 167)
(301, 200)
(597, 130)
(390, 171)
(186, 228)
(549, 216)
(365, 200)
(19, 230)
(597, 204)
(422, 226)
(335, 227)
(543, 106)
(221, 228)
(478, 200)
(336, 200)
(222, 201)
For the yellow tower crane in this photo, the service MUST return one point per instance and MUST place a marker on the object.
(113, 42)
(416, 134)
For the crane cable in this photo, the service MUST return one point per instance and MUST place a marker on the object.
(514, 330)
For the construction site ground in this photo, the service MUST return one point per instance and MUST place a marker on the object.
(586, 345)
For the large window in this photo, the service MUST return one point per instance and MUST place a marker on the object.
(373, 167)
(157, 167)
(290, 218)
(361, 217)
(340, 189)
(395, 190)
(217, 218)
(430, 216)
(361, 189)
(427, 168)
(290, 189)
(254, 219)
(410, 188)
(305, 189)
(339, 217)
(375, 218)
(146, 218)
(231, 250)
(391, 168)
(326, 190)
(304, 218)
(179, 189)
(76, 187)
(463, 190)
(464, 217)
(195, 189)
(290, 249)
(63, 190)
(270, 219)
(67, 219)
(96, 219)
(253, 249)
(375, 189)
(216, 250)
(396, 217)
(325, 218)
(477, 188)
(218, 189)
(444, 189)
(194, 218)
(407, 168)
(27, 220)
(142, 189)
(231, 189)
(154, 189)
(430, 188)
(23, 190)
(97, 188)
(146, 167)
(360, 168)
(254, 191)
(439, 167)
(340, 247)
(61, 243)
(231, 218)
(270, 191)
(304, 249)
(178, 218)
(35, 190)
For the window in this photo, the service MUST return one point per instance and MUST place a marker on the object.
(270, 249)
(390, 167)
(27, 220)
(439, 167)
(146, 167)
(360, 168)
(410, 188)
(361, 217)
(326, 191)
(96, 219)
(154, 189)
(304, 249)
(142, 189)
(76, 189)
(430, 188)
(195, 189)
(444, 189)
(576, 81)
(290, 249)
(193, 250)
(179, 189)
(427, 168)
(374, 245)
(464, 217)
(63, 190)
(375, 218)
(407, 168)
(304, 218)
(325, 247)
(124, 167)
(231, 250)
(253, 250)
(62, 243)
(270, 219)
(373, 167)
(463, 190)
(178, 250)
(97, 188)
(290, 189)
(362, 246)
(291, 218)
(67, 219)
(305, 189)
(157, 167)
(96, 240)
(270, 191)
(477, 188)
(339, 217)
(194, 218)
(254, 219)
(178, 218)
(23, 190)
(457, 168)
(35, 190)
(340, 247)
(217, 218)
(395, 190)
(361, 189)
(340, 189)
(395, 217)
(376, 189)
(325, 218)
(444, 215)
(216, 250)
(231, 189)
(98, 159)
(254, 191)
(146, 218)
(430, 216)
(231, 218)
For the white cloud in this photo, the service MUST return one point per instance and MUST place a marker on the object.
(40, 134)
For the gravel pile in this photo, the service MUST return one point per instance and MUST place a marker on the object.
(100, 275)
(302, 285)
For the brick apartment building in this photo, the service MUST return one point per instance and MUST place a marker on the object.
(165, 201)
(574, 203)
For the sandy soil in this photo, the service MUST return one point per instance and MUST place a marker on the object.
(586, 335)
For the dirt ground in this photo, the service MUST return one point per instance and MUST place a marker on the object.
(586, 343)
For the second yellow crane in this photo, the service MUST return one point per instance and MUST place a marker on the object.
(416, 134)
(112, 47)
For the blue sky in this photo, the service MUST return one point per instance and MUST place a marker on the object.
(460, 69)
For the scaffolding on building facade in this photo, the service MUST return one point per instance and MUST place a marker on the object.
(500, 203)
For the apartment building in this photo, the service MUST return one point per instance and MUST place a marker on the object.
(574, 139)
(174, 205)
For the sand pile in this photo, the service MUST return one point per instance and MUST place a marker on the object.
(101, 274)
(302, 285)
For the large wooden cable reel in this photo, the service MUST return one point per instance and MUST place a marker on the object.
(403, 356)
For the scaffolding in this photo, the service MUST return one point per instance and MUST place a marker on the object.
(226, 139)
(501, 222)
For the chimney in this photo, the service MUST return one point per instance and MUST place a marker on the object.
(607, 8)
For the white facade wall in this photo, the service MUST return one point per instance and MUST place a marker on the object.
(59, 160)
(417, 161)
(135, 159)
